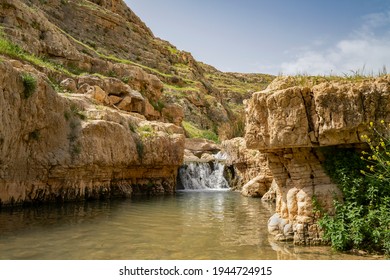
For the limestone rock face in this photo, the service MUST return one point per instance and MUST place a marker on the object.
(173, 113)
(289, 123)
(199, 147)
(250, 173)
(56, 147)
(323, 115)
(256, 187)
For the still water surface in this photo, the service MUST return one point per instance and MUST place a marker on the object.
(189, 225)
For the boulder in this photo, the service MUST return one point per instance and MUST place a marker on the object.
(69, 85)
(115, 99)
(173, 113)
(200, 146)
(99, 95)
(256, 187)
(90, 80)
(114, 86)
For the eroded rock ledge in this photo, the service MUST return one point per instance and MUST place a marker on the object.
(291, 123)
(57, 147)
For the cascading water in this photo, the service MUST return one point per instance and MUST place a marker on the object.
(204, 175)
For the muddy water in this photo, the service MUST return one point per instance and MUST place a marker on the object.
(189, 225)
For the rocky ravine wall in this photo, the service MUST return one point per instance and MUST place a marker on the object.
(56, 147)
(249, 172)
(290, 124)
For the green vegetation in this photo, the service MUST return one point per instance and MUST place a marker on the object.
(242, 84)
(125, 79)
(90, 5)
(76, 111)
(168, 88)
(145, 128)
(112, 74)
(172, 50)
(13, 50)
(193, 132)
(146, 131)
(113, 58)
(238, 127)
(158, 105)
(362, 221)
(29, 83)
(359, 75)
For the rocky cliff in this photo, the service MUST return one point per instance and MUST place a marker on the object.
(290, 121)
(68, 146)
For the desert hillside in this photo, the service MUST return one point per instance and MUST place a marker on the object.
(72, 39)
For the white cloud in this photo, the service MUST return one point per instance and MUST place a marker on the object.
(368, 48)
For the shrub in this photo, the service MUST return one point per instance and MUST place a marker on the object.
(29, 83)
(362, 221)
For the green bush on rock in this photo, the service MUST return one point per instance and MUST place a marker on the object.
(29, 83)
(362, 221)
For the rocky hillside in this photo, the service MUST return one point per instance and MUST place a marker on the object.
(93, 105)
(291, 121)
(104, 37)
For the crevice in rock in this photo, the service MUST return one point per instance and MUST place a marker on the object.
(307, 98)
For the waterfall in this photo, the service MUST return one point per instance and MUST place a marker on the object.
(208, 175)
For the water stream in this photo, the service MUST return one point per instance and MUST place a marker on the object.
(189, 225)
(203, 221)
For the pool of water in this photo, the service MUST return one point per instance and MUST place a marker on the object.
(189, 225)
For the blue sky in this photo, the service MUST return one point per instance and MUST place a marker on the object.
(275, 36)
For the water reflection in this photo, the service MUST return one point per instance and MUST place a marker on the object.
(189, 225)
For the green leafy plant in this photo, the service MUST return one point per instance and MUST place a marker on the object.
(362, 220)
(29, 83)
